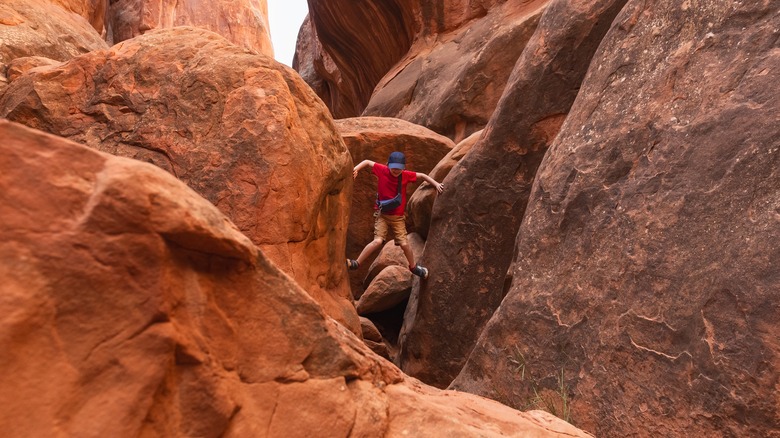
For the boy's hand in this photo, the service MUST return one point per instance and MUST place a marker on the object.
(439, 187)
(355, 172)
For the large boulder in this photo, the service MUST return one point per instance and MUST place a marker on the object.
(389, 288)
(443, 66)
(242, 130)
(41, 28)
(243, 22)
(357, 44)
(475, 221)
(451, 84)
(647, 263)
(132, 307)
(374, 138)
(421, 202)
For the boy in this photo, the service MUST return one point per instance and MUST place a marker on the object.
(387, 188)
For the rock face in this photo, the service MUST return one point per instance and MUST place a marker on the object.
(242, 22)
(474, 222)
(243, 131)
(647, 263)
(357, 44)
(40, 28)
(439, 65)
(133, 307)
(374, 138)
(421, 202)
(452, 83)
(94, 11)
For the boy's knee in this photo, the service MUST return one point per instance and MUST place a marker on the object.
(378, 241)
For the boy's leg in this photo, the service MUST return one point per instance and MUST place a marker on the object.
(408, 253)
(398, 226)
(380, 232)
(369, 249)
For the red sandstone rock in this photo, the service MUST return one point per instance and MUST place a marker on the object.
(420, 203)
(388, 289)
(94, 11)
(451, 84)
(314, 65)
(19, 66)
(369, 330)
(133, 307)
(40, 28)
(374, 138)
(242, 22)
(358, 43)
(242, 130)
(442, 65)
(647, 263)
(475, 221)
(392, 255)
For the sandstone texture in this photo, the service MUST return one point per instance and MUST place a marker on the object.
(647, 264)
(94, 11)
(392, 255)
(242, 22)
(388, 289)
(474, 222)
(132, 307)
(442, 65)
(41, 28)
(452, 83)
(357, 43)
(243, 131)
(374, 138)
(420, 204)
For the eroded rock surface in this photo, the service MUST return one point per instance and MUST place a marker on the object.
(41, 28)
(242, 130)
(242, 22)
(647, 263)
(94, 11)
(475, 221)
(132, 306)
(442, 65)
(421, 202)
(452, 83)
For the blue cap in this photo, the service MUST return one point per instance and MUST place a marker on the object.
(397, 160)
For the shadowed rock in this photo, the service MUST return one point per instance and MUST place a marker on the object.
(388, 289)
(442, 65)
(131, 306)
(452, 83)
(421, 202)
(94, 11)
(475, 221)
(647, 263)
(242, 130)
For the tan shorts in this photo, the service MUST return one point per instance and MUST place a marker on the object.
(396, 225)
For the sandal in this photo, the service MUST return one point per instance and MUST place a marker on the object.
(352, 264)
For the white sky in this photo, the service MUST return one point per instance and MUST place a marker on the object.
(285, 18)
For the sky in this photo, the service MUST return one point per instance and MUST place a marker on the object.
(285, 18)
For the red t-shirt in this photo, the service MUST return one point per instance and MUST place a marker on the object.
(387, 187)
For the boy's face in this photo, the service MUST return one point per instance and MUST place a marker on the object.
(396, 172)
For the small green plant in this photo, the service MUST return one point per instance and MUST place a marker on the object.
(555, 401)
(517, 362)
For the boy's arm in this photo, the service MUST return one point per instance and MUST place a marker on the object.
(360, 166)
(439, 186)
